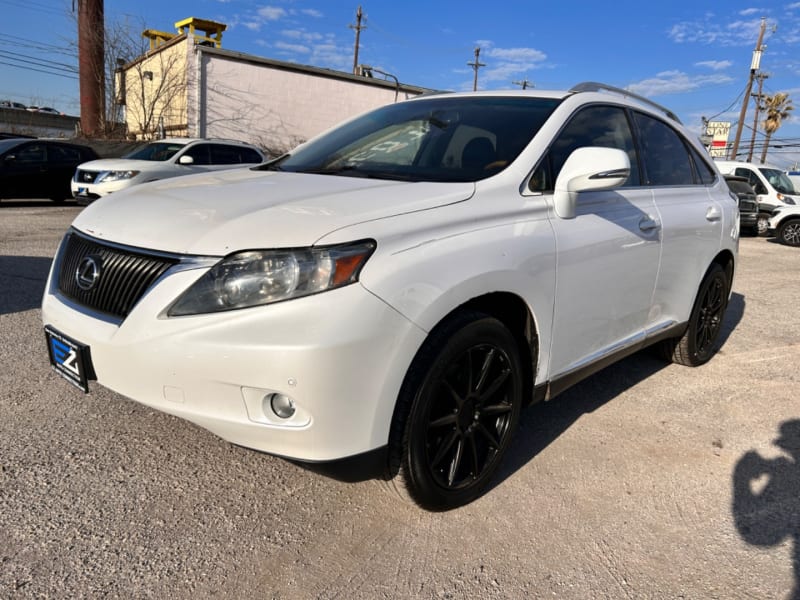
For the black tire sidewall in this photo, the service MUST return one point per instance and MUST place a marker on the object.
(715, 273)
(781, 232)
(424, 487)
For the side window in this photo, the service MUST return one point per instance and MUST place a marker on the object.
(705, 174)
(222, 154)
(32, 154)
(199, 153)
(604, 126)
(666, 161)
(63, 154)
(755, 182)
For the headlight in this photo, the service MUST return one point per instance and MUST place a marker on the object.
(258, 277)
(115, 175)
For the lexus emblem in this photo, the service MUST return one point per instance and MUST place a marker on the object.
(88, 272)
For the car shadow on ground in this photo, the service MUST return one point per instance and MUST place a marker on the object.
(543, 423)
(765, 492)
(22, 279)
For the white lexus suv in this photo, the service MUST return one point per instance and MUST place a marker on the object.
(404, 284)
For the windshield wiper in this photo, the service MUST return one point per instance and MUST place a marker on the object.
(357, 171)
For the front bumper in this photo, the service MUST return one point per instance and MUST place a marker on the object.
(341, 356)
(85, 192)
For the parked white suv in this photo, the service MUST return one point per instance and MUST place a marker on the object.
(785, 225)
(160, 160)
(405, 283)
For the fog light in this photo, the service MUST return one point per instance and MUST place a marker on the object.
(281, 405)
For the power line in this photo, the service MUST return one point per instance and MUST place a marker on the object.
(43, 62)
(34, 6)
(38, 70)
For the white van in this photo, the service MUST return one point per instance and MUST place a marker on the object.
(772, 186)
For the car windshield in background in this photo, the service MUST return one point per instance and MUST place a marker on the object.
(435, 139)
(779, 180)
(156, 151)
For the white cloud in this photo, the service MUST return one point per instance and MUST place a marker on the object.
(676, 82)
(712, 30)
(714, 65)
(750, 11)
(505, 64)
(271, 13)
(292, 48)
(310, 12)
(302, 34)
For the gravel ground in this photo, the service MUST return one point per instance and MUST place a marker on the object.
(645, 481)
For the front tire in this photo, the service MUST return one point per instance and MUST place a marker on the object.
(458, 409)
(697, 345)
(789, 232)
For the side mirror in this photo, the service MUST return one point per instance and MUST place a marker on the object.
(185, 160)
(588, 169)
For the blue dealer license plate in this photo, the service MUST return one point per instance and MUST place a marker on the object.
(69, 358)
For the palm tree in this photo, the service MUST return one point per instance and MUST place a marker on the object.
(778, 108)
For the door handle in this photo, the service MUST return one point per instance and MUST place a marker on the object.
(713, 214)
(648, 223)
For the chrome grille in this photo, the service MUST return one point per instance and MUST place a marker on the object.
(122, 279)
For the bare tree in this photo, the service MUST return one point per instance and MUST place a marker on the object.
(155, 92)
(778, 108)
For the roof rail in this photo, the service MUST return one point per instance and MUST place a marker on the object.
(593, 86)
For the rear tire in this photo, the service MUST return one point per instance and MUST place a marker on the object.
(789, 232)
(457, 412)
(762, 224)
(697, 345)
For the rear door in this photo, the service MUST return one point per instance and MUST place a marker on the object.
(691, 217)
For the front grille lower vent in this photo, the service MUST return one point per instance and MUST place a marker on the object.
(121, 276)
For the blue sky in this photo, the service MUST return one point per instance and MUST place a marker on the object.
(693, 57)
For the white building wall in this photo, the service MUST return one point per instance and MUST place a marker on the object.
(272, 107)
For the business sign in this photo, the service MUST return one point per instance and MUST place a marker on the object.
(718, 131)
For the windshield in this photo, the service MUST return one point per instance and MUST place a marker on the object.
(779, 180)
(434, 139)
(156, 151)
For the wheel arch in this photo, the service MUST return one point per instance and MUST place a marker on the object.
(727, 261)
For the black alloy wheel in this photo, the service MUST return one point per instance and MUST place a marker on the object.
(696, 347)
(464, 395)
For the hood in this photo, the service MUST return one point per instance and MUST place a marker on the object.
(121, 164)
(219, 212)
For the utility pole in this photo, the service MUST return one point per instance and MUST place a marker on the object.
(524, 83)
(475, 66)
(761, 77)
(91, 67)
(358, 27)
(753, 68)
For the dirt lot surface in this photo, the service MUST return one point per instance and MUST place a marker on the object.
(645, 481)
